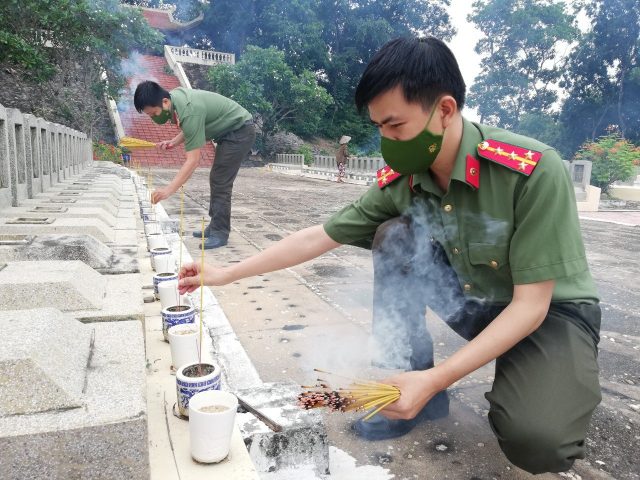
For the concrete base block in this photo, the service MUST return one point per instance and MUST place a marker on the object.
(71, 226)
(71, 286)
(43, 359)
(303, 439)
(106, 438)
(85, 248)
(72, 211)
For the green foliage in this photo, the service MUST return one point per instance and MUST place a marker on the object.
(101, 31)
(335, 39)
(107, 153)
(267, 86)
(307, 152)
(603, 78)
(613, 160)
(520, 61)
(546, 128)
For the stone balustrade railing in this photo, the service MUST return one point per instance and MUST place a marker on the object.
(176, 66)
(36, 154)
(201, 57)
(290, 159)
(328, 162)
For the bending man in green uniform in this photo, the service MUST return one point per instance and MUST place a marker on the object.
(480, 225)
(202, 116)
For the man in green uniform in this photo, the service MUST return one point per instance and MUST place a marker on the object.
(480, 225)
(202, 116)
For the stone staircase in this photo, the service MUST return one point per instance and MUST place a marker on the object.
(139, 125)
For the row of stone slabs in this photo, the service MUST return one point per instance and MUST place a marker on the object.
(72, 395)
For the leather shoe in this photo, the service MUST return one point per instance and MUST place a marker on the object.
(198, 233)
(382, 428)
(214, 242)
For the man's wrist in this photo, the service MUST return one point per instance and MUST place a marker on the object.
(441, 376)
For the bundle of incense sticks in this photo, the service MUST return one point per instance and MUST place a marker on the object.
(358, 395)
(133, 143)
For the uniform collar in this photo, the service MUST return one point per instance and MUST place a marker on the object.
(466, 168)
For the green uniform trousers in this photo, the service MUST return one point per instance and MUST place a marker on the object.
(545, 388)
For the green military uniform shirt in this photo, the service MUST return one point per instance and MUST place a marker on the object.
(205, 115)
(512, 229)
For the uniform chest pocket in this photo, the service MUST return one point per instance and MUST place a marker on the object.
(493, 256)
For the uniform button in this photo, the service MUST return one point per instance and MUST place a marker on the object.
(448, 208)
(432, 240)
(456, 251)
(467, 287)
(493, 264)
(473, 171)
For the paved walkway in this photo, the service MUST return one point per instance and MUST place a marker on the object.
(318, 315)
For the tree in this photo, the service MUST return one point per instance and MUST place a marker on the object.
(61, 48)
(521, 60)
(335, 39)
(546, 128)
(613, 159)
(603, 78)
(263, 83)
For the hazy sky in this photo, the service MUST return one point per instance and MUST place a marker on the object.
(465, 41)
(462, 46)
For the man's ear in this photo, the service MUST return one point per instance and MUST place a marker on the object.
(166, 104)
(448, 108)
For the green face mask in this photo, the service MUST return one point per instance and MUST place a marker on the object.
(415, 155)
(162, 118)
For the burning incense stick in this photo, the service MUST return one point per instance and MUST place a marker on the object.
(135, 143)
(201, 300)
(181, 224)
(359, 395)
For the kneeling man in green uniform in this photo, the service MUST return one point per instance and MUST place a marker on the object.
(202, 116)
(480, 225)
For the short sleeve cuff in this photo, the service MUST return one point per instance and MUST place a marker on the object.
(549, 272)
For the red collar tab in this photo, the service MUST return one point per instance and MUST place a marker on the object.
(472, 171)
(516, 158)
(386, 175)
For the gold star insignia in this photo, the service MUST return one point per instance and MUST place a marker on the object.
(513, 155)
(523, 166)
(499, 151)
(529, 155)
(384, 180)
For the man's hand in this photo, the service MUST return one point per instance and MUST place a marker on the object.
(160, 194)
(416, 389)
(165, 145)
(189, 277)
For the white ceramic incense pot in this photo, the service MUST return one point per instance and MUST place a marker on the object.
(162, 277)
(176, 315)
(212, 417)
(152, 227)
(190, 381)
(156, 240)
(164, 263)
(168, 293)
(157, 252)
(184, 340)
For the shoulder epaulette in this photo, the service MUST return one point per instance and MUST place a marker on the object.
(386, 175)
(516, 158)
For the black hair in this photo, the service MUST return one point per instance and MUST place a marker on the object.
(149, 94)
(424, 67)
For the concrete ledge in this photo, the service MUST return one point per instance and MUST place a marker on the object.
(105, 439)
(303, 439)
(71, 286)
